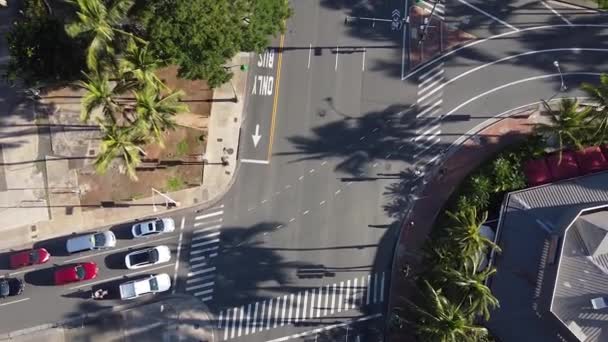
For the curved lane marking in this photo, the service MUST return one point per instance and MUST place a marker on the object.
(439, 58)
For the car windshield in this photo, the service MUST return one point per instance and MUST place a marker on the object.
(159, 225)
(153, 284)
(79, 272)
(150, 228)
(4, 288)
(34, 256)
(99, 239)
(153, 255)
(138, 230)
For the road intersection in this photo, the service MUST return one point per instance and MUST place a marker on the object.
(335, 137)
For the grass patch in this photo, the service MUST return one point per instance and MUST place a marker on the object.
(182, 148)
(175, 183)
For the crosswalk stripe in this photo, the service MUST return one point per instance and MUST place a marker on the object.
(283, 311)
(276, 313)
(226, 327)
(202, 230)
(241, 320)
(340, 296)
(369, 288)
(199, 251)
(247, 319)
(356, 292)
(333, 300)
(429, 133)
(206, 299)
(195, 280)
(290, 308)
(198, 258)
(255, 317)
(203, 293)
(312, 303)
(438, 73)
(207, 284)
(304, 306)
(262, 315)
(206, 270)
(219, 320)
(233, 330)
(199, 265)
(430, 143)
(426, 74)
(201, 217)
(319, 302)
(212, 223)
(297, 307)
(326, 300)
(361, 300)
(269, 314)
(205, 243)
(430, 86)
(204, 236)
(430, 110)
(433, 91)
(347, 296)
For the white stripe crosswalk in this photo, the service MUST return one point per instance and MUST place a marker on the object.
(299, 307)
(430, 93)
(204, 247)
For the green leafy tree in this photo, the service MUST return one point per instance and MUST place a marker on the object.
(599, 94)
(465, 232)
(567, 123)
(139, 64)
(101, 93)
(155, 112)
(120, 142)
(98, 23)
(201, 35)
(507, 174)
(441, 320)
(470, 284)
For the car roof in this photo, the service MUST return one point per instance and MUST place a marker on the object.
(164, 281)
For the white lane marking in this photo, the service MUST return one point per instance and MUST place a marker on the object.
(425, 133)
(347, 295)
(297, 307)
(269, 314)
(337, 54)
(333, 299)
(363, 60)
(262, 315)
(563, 4)
(197, 294)
(226, 328)
(292, 219)
(312, 303)
(204, 243)
(430, 86)
(309, 53)
(489, 15)
(326, 300)
(233, 330)
(203, 278)
(337, 192)
(322, 202)
(304, 306)
(340, 296)
(355, 294)
(205, 236)
(276, 312)
(324, 162)
(179, 249)
(199, 258)
(241, 320)
(15, 301)
(255, 161)
(202, 217)
(518, 82)
(329, 327)
(114, 250)
(439, 73)
(319, 297)
(190, 288)
(255, 318)
(198, 224)
(145, 270)
(311, 171)
(290, 308)
(433, 69)
(427, 145)
(433, 91)
(306, 212)
(300, 178)
(205, 270)
(247, 320)
(206, 299)
(199, 251)
(556, 13)
(199, 231)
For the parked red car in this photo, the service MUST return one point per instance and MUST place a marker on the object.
(29, 257)
(75, 273)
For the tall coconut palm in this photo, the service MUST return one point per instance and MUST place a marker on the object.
(155, 112)
(99, 24)
(444, 321)
(138, 63)
(599, 95)
(466, 232)
(120, 142)
(567, 123)
(101, 93)
(470, 283)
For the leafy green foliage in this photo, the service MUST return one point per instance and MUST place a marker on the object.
(123, 142)
(201, 35)
(40, 51)
(175, 183)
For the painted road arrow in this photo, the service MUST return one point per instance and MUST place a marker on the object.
(256, 137)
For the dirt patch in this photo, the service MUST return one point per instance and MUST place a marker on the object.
(198, 94)
(178, 165)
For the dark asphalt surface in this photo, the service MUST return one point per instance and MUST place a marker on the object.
(301, 247)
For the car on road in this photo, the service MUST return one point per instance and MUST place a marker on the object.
(10, 287)
(147, 257)
(75, 273)
(152, 284)
(29, 257)
(153, 227)
(87, 242)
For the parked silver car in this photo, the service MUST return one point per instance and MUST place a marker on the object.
(87, 242)
(153, 227)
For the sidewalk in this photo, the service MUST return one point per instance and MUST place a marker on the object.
(462, 158)
(179, 318)
(59, 212)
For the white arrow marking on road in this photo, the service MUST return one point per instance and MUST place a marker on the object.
(256, 137)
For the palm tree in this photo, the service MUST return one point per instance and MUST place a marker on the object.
(123, 142)
(567, 123)
(138, 63)
(155, 112)
(466, 232)
(470, 283)
(99, 24)
(599, 114)
(101, 93)
(444, 321)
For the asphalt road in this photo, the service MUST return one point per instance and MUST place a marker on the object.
(301, 246)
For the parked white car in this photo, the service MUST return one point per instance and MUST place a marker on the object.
(147, 257)
(99, 240)
(139, 287)
(153, 227)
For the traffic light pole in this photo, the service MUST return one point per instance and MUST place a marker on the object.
(426, 25)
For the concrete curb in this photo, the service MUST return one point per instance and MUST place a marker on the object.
(582, 4)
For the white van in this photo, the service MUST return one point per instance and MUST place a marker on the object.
(99, 240)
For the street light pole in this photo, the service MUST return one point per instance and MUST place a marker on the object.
(561, 76)
(243, 67)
